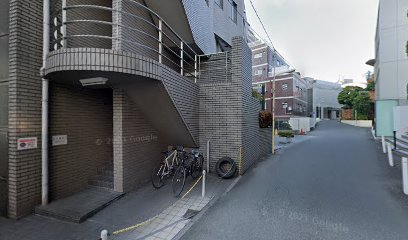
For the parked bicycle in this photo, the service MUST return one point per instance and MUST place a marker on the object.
(190, 165)
(167, 167)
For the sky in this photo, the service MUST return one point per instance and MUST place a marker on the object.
(324, 39)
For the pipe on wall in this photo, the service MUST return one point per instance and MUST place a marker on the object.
(44, 100)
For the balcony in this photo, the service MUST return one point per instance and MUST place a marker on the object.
(132, 48)
(122, 26)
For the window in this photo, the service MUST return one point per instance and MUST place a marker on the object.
(258, 55)
(284, 86)
(234, 12)
(258, 72)
(220, 3)
(284, 105)
(278, 63)
(206, 1)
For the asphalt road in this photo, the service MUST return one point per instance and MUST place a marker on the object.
(334, 185)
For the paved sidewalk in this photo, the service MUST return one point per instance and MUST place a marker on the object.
(135, 207)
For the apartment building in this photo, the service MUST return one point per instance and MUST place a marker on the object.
(121, 81)
(391, 62)
(291, 89)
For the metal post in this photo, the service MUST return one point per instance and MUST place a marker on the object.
(104, 235)
(273, 100)
(181, 58)
(395, 139)
(160, 40)
(405, 175)
(195, 68)
(226, 66)
(208, 156)
(199, 68)
(390, 156)
(64, 23)
(383, 144)
(203, 188)
(44, 104)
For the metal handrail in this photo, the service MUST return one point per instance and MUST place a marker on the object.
(158, 16)
(183, 50)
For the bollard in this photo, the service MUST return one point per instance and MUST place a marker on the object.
(203, 187)
(104, 235)
(390, 156)
(405, 175)
(383, 144)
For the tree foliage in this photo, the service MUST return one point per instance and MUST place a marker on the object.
(362, 104)
(257, 95)
(370, 86)
(347, 95)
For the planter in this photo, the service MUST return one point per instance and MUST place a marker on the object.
(285, 140)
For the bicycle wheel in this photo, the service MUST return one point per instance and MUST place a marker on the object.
(179, 179)
(197, 167)
(157, 176)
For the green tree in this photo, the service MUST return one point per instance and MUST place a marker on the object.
(370, 86)
(257, 95)
(362, 104)
(347, 95)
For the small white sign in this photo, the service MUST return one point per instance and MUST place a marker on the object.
(59, 140)
(26, 143)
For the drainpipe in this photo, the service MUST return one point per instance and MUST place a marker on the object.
(44, 120)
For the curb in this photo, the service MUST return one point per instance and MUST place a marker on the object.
(187, 227)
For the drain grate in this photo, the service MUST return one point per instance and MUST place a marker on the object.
(190, 213)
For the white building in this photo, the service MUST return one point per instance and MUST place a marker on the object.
(324, 99)
(391, 63)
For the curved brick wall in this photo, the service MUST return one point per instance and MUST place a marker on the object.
(182, 91)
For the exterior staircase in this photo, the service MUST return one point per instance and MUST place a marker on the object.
(104, 177)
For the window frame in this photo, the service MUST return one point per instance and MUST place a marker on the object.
(234, 12)
(220, 3)
(258, 55)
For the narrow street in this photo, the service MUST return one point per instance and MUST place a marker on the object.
(334, 185)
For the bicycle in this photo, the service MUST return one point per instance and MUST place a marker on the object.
(194, 168)
(165, 169)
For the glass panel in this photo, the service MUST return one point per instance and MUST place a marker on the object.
(4, 16)
(3, 105)
(384, 117)
(4, 71)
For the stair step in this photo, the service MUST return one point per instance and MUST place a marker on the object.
(405, 136)
(105, 172)
(101, 183)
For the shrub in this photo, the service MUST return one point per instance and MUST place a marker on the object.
(265, 119)
(288, 134)
(283, 125)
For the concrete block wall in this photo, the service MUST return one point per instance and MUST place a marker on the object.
(229, 113)
(184, 94)
(265, 141)
(25, 60)
(242, 71)
(85, 116)
(137, 146)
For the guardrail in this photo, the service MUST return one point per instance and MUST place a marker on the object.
(132, 27)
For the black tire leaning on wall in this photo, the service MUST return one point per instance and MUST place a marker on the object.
(223, 173)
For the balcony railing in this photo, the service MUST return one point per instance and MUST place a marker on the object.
(128, 26)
